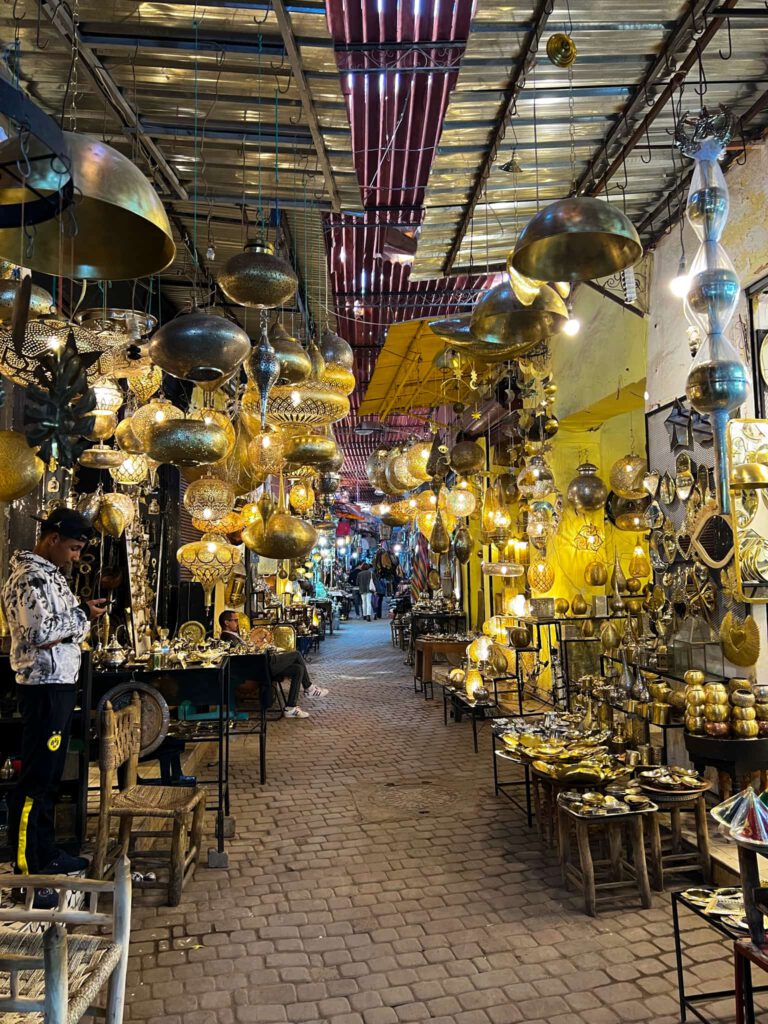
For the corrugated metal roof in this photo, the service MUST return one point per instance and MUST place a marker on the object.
(617, 46)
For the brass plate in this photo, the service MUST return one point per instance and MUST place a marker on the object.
(191, 632)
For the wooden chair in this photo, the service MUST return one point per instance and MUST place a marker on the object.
(58, 975)
(183, 806)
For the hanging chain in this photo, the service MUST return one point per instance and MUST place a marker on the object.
(572, 127)
(75, 64)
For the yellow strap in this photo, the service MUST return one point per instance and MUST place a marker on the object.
(21, 859)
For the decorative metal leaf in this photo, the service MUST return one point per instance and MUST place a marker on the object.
(57, 407)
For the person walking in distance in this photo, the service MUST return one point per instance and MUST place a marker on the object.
(365, 584)
(47, 625)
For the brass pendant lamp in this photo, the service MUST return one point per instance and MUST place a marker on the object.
(500, 318)
(576, 239)
(122, 230)
(200, 347)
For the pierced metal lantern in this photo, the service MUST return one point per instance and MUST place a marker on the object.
(146, 384)
(45, 334)
(133, 470)
(157, 411)
(376, 469)
(209, 499)
(266, 454)
(219, 419)
(257, 278)
(210, 560)
(186, 442)
(541, 575)
(467, 457)
(626, 476)
(40, 301)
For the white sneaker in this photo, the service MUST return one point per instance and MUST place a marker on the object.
(316, 691)
(296, 713)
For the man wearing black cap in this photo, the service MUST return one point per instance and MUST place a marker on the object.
(47, 625)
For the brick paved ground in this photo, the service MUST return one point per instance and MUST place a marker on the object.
(375, 879)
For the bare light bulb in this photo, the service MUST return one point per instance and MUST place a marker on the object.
(295, 398)
(681, 283)
(572, 326)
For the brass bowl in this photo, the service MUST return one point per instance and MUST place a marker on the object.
(743, 714)
(102, 457)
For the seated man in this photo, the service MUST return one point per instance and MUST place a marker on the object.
(285, 665)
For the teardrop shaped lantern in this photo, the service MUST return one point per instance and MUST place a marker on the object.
(339, 361)
(265, 371)
(587, 492)
(576, 239)
(439, 538)
(200, 347)
(209, 561)
(463, 545)
(258, 278)
(286, 536)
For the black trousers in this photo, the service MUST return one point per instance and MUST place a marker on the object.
(46, 714)
(290, 665)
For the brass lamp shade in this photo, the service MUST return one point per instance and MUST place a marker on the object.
(258, 278)
(286, 536)
(467, 457)
(200, 347)
(455, 329)
(576, 239)
(122, 230)
(183, 442)
(102, 457)
(500, 318)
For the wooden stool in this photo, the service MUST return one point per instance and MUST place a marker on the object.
(621, 874)
(674, 859)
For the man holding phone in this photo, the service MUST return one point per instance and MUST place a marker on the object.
(47, 625)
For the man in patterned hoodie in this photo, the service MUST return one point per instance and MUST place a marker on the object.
(47, 626)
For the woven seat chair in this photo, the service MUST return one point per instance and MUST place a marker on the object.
(183, 807)
(56, 976)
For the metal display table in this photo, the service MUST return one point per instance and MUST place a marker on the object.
(461, 704)
(738, 758)
(690, 1003)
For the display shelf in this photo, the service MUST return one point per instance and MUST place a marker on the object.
(662, 673)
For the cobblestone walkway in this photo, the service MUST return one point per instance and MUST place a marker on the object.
(375, 879)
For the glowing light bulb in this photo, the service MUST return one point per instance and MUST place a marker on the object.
(295, 398)
(385, 509)
(159, 416)
(680, 284)
(266, 441)
(207, 514)
(572, 326)
(211, 546)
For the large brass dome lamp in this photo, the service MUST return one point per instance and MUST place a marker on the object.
(200, 347)
(500, 318)
(258, 278)
(44, 334)
(119, 228)
(576, 239)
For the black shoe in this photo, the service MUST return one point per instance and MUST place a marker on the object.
(65, 864)
(45, 899)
